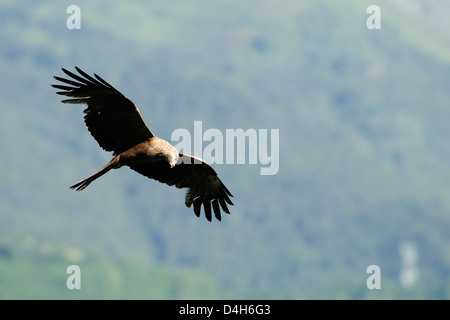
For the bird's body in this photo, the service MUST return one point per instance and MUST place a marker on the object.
(115, 122)
(142, 154)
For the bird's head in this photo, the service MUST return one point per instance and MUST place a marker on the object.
(173, 157)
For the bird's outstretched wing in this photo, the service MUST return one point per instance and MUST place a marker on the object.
(204, 186)
(112, 119)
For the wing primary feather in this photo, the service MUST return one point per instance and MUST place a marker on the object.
(226, 190)
(71, 82)
(207, 208)
(57, 86)
(76, 77)
(215, 205)
(226, 198)
(223, 205)
(189, 198)
(197, 206)
(103, 81)
(84, 74)
(77, 101)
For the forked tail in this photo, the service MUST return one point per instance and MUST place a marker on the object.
(113, 164)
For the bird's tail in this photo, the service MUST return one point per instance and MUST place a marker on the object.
(113, 164)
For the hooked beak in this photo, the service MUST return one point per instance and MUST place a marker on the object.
(173, 163)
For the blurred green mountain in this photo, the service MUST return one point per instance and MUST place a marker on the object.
(364, 153)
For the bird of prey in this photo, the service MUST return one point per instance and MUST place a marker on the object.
(117, 125)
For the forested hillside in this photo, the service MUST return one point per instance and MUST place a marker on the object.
(364, 156)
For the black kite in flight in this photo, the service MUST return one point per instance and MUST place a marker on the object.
(115, 122)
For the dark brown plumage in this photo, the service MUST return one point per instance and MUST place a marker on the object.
(115, 122)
